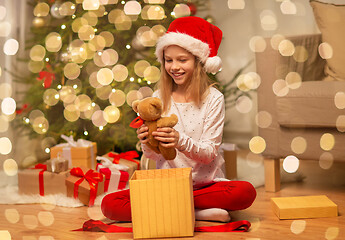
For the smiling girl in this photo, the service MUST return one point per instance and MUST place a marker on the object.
(187, 52)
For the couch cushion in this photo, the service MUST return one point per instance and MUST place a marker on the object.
(311, 105)
(330, 19)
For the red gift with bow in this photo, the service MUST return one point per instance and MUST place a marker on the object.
(85, 184)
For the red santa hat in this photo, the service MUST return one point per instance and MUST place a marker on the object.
(197, 36)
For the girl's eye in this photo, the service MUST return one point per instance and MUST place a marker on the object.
(183, 60)
(168, 60)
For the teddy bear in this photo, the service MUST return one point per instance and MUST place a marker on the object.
(150, 111)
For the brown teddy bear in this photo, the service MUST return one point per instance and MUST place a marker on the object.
(150, 111)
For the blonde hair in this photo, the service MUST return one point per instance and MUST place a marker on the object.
(197, 90)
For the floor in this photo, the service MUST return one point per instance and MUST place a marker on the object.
(49, 222)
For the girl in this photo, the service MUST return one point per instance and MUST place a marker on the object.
(187, 52)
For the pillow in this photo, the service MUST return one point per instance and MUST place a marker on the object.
(330, 19)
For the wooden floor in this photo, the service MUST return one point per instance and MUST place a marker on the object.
(47, 222)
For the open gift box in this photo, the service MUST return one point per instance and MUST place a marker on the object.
(162, 203)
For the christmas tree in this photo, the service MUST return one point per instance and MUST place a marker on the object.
(89, 60)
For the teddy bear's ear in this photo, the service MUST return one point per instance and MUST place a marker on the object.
(157, 103)
(135, 105)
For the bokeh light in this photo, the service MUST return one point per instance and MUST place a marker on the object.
(268, 20)
(103, 92)
(327, 141)
(288, 7)
(5, 29)
(152, 74)
(91, 4)
(132, 96)
(98, 119)
(339, 100)
(46, 218)
(326, 160)
(120, 72)
(8, 106)
(263, 119)
(181, 10)
(71, 70)
(140, 66)
(41, 9)
(53, 42)
(11, 46)
(286, 48)
(51, 97)
(299, 145)
(12, 215)
(291, 164)
(257, 145)
(40, 125)
(293, 80)
(5, 235)
(340, 123)
(132, 8)
(111, 114)
(244, 104)
(257, 44)
(105, 76)
(280, 88)
(325, 50)
(332, 233)
(37, 53)
(300, 54)
(236, 4)
(30, 221)
(275, 41)
(117, 98)
(298, 226)
(71, 113)
(10, 167)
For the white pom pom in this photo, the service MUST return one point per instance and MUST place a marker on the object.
(213, 64)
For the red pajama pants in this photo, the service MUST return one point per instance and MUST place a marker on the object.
(228, 195)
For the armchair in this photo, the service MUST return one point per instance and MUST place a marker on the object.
(305, 113)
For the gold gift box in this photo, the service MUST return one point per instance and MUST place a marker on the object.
(80, 156)
(162, 203)
(304, 207)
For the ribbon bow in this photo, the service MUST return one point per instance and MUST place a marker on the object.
(92, 177)
(98, 226)
(126, 155)
(109, 164)
(137, 122)
(40, 176)
(48, 76)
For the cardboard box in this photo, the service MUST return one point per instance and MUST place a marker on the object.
(162, 203)
(84, 190)
(53, 183)
(77, 156)
(57, 165)
(304, 207)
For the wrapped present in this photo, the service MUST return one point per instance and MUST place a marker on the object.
(85, 184)
(38, 180)
(162, 203)
(57, 165)
(116, 178)
(126, 159)
(80, 153)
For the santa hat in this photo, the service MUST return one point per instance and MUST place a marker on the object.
(197, 36)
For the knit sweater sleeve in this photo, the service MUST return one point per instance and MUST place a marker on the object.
(205, 149)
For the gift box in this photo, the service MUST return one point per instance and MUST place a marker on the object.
(162, 203)
(125, 159)
(304, 207)
(116, 177)
(57, 165)
(40, 181)
(85, 184)
(81, 153)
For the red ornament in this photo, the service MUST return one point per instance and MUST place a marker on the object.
(20, 110)
(48, 76)
(192, 8)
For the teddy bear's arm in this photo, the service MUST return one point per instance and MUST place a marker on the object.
(167, 121)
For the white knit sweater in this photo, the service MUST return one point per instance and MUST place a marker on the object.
(200, 130)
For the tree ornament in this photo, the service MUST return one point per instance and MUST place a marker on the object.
(48, 76)
(38, 22)
(192, 8)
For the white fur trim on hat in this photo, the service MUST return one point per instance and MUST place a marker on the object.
(191, 44)
(213, 64)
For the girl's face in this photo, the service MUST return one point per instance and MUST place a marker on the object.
(179, 64)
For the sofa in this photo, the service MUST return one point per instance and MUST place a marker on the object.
(301, 98)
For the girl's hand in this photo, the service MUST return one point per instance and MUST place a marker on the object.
(167, 136)
(143, 132)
